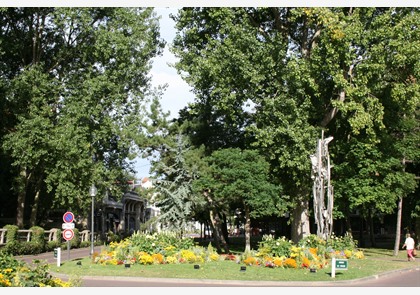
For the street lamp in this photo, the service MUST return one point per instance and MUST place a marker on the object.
(92, 192)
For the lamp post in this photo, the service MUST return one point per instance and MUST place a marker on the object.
(92, 192)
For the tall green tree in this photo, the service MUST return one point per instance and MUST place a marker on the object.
(372, 165)
(301, 70)
(74, 81)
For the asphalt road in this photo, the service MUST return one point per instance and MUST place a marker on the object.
(409, 277)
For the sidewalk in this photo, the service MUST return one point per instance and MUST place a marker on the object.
(66, 255)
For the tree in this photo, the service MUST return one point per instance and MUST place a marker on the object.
(75, 82)
(305, 70)
(369, 170)
(239, 179)
(174, 192)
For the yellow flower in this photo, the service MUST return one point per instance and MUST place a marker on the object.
(347, 253)
(359, 255)
(171, 259)
(214, 257)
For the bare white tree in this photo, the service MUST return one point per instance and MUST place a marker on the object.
(322, 189)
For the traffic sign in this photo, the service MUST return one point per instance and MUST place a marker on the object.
(68, 234)
(67, 226)
(68, 217)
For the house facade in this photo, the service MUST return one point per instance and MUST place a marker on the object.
(126, 215)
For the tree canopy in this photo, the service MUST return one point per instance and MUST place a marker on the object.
(75, 82)
(279, 76)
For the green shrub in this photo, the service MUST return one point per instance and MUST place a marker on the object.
(112, 237)
(12, 233)
(345, 242)
(13, 247)
(75, 242)
(37, 240)
(15, 273)
(275, 247)
(51, 245)
(32, 247)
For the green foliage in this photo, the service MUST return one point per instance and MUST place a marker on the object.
(112, 237)
(279, 247)
(237, 177)
(159, 242)
(341, 243)
(75, 242)
(51, 245)
(14, 273)
(175, 196)
(74, 96)
(37, 242)
(351, 72)
(13, 247)
(312, 241)
(12, 233)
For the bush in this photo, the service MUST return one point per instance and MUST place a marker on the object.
(13, 247)
(274, 247)
(37, 242)
(342, 243)
(75, 242)
(32, 247)
(12, 233)
(51, 245)
(14, 273)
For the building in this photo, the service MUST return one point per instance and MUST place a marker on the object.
(127, 215)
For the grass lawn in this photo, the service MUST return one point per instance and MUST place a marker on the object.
(376, 261)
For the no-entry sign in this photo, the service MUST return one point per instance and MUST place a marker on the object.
(68, 234)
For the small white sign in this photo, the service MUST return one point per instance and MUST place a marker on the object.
(68, 226)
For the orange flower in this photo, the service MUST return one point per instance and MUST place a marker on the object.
(290, 262)
(305, 262)
(313, 251)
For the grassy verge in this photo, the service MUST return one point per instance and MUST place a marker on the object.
(376, 261)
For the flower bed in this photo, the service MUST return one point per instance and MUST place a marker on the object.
(166, 248)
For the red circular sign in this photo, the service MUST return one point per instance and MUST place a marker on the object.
(68, 217)
(68, 234)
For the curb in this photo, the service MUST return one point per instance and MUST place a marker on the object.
(341, 283)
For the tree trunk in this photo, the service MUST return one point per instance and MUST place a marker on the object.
(398, 227)
(247, 229)
(349, 229)
(217, 232)
(20, 209)
(371, 230)
(225, 230)
(417, 229)
(34, 208)
(361, 240)
(20, 187)
(300, 221)
(216, 238)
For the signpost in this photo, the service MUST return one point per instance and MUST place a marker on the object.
(57, 255)
(68, 227)
(340, 264)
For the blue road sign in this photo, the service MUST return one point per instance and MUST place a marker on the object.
(68, 217)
